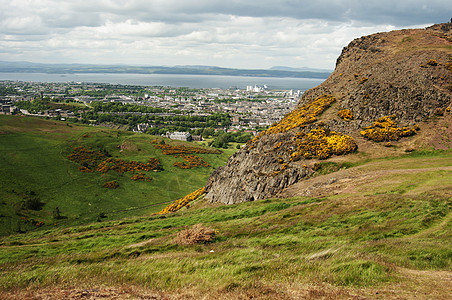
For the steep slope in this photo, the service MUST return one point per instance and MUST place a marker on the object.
(389, 93)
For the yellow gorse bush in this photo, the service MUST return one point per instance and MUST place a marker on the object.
(385, 129)
(303, 115)
(179, 203)
(121, 166)
(88, 158)
(318, 143)
(299, 117)
(321, 143)
(345, 114)
(140, 176)
(432, 62)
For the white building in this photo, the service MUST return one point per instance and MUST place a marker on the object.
(181, 136)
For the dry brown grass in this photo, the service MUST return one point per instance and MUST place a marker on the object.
(69, 293)
(420, 286)
(198, 234)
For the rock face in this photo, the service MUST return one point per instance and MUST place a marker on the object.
(404, 74)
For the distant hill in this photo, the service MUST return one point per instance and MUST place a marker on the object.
(303, 69)
(188, 70)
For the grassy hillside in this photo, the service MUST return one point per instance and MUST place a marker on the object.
(381, 229)
(37, 177)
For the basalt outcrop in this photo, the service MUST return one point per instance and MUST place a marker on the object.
(389, 83)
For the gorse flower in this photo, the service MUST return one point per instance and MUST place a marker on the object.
(179, 203)
(299, 117)
(191, 161)
(345, 114)
(321, 143)
(121, 166)
(385, 129)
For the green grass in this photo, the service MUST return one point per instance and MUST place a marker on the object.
(361, 240)
(33, 160)
(331, 167)
(367, 238)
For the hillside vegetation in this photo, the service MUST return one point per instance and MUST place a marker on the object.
(385, 236)
(43, 187)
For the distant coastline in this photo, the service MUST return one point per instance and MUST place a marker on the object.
(277, 72)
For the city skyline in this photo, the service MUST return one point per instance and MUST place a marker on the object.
(234, 34)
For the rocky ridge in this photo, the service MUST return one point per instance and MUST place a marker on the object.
(390, 83)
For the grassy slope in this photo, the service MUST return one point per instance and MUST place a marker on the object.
(388, 237)
(33, 162)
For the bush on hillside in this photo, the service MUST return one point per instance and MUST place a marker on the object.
(198, 234)
(111, 185)
(385, 129)
(32, 203)
(345, 114)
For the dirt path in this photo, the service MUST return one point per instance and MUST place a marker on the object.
(349, 180)
(119, 293)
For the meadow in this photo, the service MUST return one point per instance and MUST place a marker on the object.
(388, 237)
(42, 187)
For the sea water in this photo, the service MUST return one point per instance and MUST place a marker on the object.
(170, 80)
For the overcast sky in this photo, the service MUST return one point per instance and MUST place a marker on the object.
(227, 33)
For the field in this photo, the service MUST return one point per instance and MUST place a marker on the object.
(41, 187)
(377, 229)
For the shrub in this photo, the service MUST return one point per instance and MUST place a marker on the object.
(173, 150)
(432, 62)
(363, 79)
(385, 129)
(121, 166)
(91, 161)
(140, 176)
(32, 203)
(179, 203)
(322, 143)
(299, 117)
(111, 184)
(198, 234)
(84, 169)
(345, 114)
(191, 161)
(87, 158)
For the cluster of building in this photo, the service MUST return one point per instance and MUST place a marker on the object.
(251, 108)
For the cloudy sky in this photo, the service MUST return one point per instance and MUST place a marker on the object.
(227, 33)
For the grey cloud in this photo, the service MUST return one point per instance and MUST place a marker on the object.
(66, 14)
(229, 33)
(374, 12)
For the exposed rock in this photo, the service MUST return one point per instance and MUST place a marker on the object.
(404, 74)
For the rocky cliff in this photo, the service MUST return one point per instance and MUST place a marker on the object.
(385, 89)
